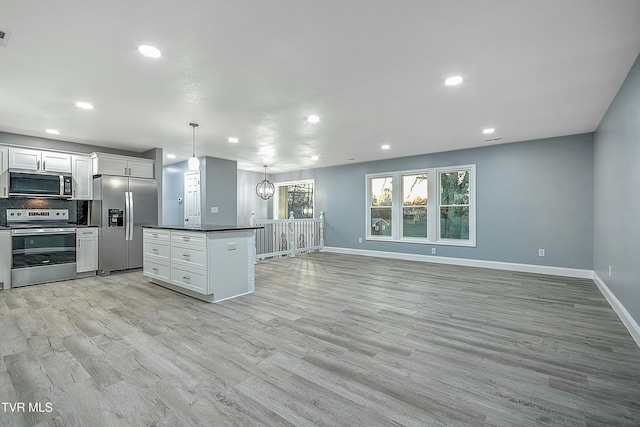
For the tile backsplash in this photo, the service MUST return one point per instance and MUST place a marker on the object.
(78, 209)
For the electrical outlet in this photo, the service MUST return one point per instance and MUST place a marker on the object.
(214, 209)
(541, 252)
(359, 239)
(433, 251)
(609, 270)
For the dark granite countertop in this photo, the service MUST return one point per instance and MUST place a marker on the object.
(205, 228)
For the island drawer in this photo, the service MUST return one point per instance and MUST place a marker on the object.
(156, 270)
(189, 256)
(189, 238)
(158, 249)
(191, 279)
(156, 234)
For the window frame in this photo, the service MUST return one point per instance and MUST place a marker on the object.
(433, 206)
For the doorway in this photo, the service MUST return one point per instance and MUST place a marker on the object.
(192, 214)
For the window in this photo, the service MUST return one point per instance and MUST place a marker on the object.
(401, 209)
(380, 207)
(454, 204)
(296, 197)
(415, 192)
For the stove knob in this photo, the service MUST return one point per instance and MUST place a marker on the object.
(11, 214)
(19, 214)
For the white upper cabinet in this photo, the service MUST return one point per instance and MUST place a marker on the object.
(111, 164)
(56, 162)
(4, 173)
(35, 160)
(82, 177)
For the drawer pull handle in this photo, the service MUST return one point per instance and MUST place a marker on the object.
(154, 250)
(186, 238)
(154, 234)
(186, 255)
(186, 277)
(154, 269)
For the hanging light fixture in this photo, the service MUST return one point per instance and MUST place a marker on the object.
(265, 189)
(194, 162)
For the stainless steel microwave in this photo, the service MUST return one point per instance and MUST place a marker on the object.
(40, 185)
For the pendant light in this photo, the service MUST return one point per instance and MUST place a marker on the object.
(194, 162)
(265, 189)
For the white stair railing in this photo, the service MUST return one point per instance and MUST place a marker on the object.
(287, 237)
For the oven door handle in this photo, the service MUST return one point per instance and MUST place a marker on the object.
(41, 231)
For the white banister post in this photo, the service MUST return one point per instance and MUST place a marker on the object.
(321, 230)
(292, 239)
(252, 223)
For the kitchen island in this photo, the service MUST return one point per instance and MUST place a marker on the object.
(209, 262)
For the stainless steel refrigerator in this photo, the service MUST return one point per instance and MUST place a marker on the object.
(120, 207)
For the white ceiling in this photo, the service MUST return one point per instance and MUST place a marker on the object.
(372, 70)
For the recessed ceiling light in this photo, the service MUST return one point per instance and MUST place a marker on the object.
(171, 156)
(385, 146)
(233, 139)
(315, 158)
(488, 131)
(313, 118)
(453, 81)
(53, 131)
(84, 105)
(149, 51)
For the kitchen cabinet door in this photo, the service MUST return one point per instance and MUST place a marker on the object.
(4, 173)
(104, 165)
(56, 162)
(82, 177)
(5, 259)
(22, 158)
(140, 168)
(87, 250)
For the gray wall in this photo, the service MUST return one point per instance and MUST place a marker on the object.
(172, 190)
(248, 201)
(156, 154)
(218, 188)
(617, 195)
(530, 195)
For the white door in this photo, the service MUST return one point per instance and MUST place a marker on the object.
(192, 198)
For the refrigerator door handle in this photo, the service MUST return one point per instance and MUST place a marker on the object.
(131, 215)
(127, 215)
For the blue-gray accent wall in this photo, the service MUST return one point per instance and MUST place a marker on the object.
(617, 195)
(530, 195)
(218, 188)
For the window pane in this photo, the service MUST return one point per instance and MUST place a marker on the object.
(414, 221)
(381, 192)
(300, 200)
(454, 223)
(414, 190)
(454, 188)
(381, 221)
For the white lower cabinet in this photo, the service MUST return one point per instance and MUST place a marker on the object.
(208, 265)
(86, 250)
(5, 259)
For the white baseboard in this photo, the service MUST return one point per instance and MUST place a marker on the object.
(509, 266)
(623, 314)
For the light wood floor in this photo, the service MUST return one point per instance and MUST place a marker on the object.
(326, 339)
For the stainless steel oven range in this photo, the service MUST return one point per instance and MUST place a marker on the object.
(43, 246)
